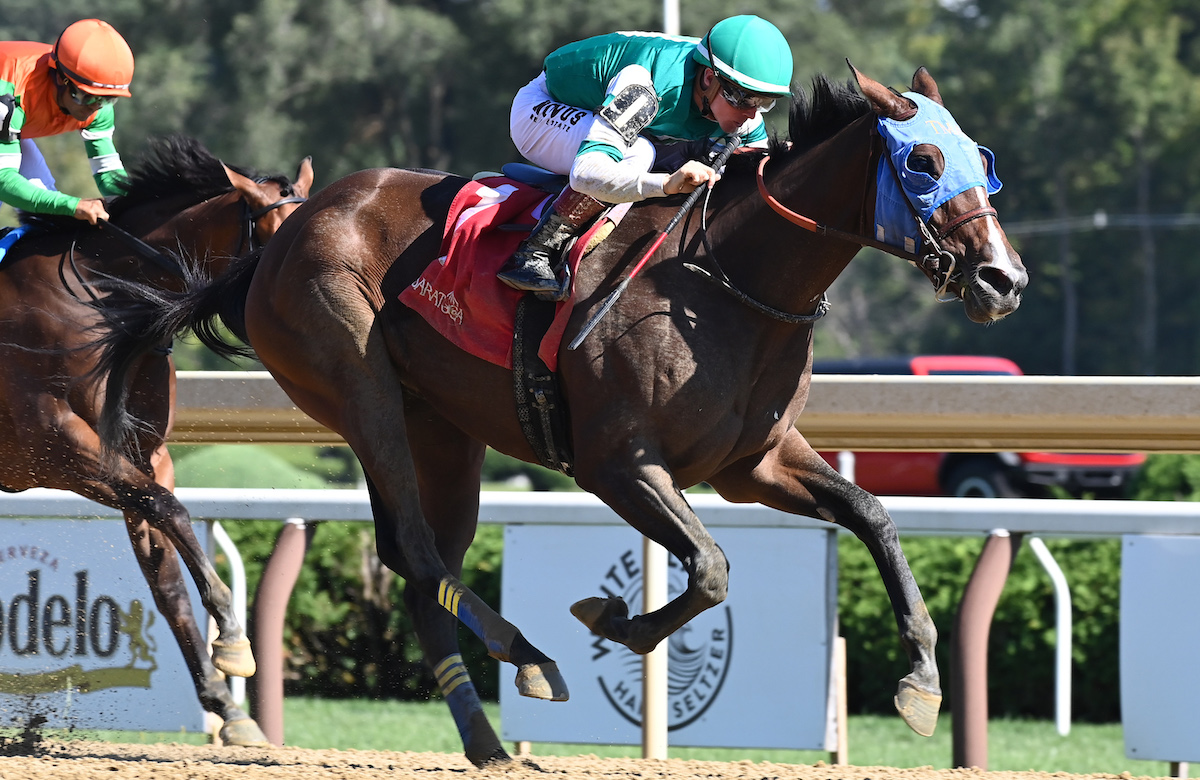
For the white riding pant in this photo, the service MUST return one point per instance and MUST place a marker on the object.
(549, 133)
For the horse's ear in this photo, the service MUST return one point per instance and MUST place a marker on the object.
(304, 177)
(242, 184)
(923, 84)
(886, 102)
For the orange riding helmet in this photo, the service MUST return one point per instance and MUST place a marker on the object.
(95, 57)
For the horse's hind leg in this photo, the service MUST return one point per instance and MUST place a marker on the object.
(795, 479)
(448, 478)
(650, 501)
(406, 545)
(537, 676)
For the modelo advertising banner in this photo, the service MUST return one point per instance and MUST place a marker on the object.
(81, 643)
(752, 672)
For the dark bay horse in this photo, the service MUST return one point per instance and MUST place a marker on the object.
(680, 383)
(179, 198)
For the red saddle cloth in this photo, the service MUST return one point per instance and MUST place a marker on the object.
(459, 294)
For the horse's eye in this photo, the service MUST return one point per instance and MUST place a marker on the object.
(923, 163)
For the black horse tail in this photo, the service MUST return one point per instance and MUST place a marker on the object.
(138, 318)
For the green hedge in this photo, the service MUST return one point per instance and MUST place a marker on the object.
(1021, 642)
(347, 638)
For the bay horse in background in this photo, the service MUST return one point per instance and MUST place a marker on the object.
(682, 382)
(178, 198)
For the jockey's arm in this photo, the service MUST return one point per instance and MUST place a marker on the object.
(19, 192)
(107, 168)
(599, 175)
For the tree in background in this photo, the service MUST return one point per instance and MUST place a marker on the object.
(1090, 108)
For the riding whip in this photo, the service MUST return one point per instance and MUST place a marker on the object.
(147, 252)
(732, 144)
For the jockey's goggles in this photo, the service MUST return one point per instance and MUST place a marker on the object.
(742, 99)
(86, 98)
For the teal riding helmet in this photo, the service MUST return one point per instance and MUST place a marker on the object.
(749, 51)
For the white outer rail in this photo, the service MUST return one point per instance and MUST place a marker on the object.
(912, 515)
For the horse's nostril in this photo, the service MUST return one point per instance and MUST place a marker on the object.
(997, 279)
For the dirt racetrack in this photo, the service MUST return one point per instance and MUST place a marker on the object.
(81, 760)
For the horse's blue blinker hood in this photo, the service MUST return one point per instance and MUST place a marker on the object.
(932, 124)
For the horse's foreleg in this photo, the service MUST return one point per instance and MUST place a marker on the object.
(795, 479)
(125, 487)
(652, 503)
(165, 578)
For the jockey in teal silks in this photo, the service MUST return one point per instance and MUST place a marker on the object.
(623, 115)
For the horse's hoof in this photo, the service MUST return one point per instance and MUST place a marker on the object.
(243, 733)
(918, 708)
(234, 658)
(542, 681)
(497, 757)
(599, 614)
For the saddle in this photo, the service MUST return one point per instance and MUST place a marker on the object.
(10, 236)
(459, 296)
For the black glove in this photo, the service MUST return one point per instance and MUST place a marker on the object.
(670, 157)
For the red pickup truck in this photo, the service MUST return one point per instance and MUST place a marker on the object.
(1000, 474)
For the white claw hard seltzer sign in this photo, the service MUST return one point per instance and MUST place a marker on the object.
(752, 672)
(81, 642)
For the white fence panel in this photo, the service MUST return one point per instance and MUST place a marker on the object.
(751, 672)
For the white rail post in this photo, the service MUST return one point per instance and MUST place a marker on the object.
(237, 576)
(671, 17)
(654, 664)
(845, 465)
(1062, 631)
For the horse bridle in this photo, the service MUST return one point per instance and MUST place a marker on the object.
(168, 262)
(252, 217)
(935, 262)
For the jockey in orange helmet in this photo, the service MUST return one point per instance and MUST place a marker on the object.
(52, 89)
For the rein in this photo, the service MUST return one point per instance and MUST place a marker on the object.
(168, 262)
(141, 249)
(931, 261)
(725, 282)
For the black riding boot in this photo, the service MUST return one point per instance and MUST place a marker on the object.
(535, 264)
